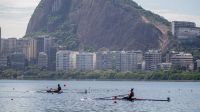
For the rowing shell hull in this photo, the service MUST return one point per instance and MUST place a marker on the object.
(55, 92)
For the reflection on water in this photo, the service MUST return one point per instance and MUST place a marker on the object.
(24, 96)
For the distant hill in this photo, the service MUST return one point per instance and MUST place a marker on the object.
(93, 24)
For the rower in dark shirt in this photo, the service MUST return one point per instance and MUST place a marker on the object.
(55, 90)
(130, 95)
(59, 88)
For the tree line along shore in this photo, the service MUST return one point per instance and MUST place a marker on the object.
(39, 74)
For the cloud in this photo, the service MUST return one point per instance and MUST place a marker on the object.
(14, 16)
(175, 16)
(17, 9)
(20, 3)
(8, 12)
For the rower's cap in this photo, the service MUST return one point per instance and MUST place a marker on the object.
(132, 89)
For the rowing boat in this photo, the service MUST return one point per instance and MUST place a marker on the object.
(133, 99)
(53, 91)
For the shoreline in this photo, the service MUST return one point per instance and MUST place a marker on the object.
(100, 80)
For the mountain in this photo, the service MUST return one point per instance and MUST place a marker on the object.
(94, 24)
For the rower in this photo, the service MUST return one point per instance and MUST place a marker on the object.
(59, 88)
(86, 91)
(130, 95)
(55, 90)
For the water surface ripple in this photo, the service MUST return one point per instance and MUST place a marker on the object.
(29, 96)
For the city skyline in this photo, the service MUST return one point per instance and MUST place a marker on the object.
(14, 16)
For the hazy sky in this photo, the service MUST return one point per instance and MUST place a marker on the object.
(15, 14)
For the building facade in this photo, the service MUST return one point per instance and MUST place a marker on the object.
(65, 60)
(8, 46)
(22, 46)
(188, 33)
(12, 45)
(52, 58)
(152, 59)
(126, 61)
(17, 61)
(184, 30)
(50, 48)
(198, 65)
(184, 60)
(48, 43)
(135, 59)
(104, 60)
(181, 24)
(3, 62)
(165, 66)
(43, 60)
(39, 45)
(32, 50)
(85, 61)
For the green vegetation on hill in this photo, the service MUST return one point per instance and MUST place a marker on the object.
(189, 46)
(67, 38)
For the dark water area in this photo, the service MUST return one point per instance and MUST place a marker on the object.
(30, 96)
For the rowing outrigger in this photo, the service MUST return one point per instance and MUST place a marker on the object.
(130, 97)
(133, 99)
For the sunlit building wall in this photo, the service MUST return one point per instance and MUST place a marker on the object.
(66, 60)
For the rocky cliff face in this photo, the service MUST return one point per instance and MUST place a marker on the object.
(114, 24)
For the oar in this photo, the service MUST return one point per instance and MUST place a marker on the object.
(138, 99)
(111, 96)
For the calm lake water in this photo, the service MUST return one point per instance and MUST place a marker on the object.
(28, 96)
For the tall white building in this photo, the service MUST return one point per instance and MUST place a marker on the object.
(128, 61)
(66, 60)
(85, 61)
(185, 30)
(181, 24)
